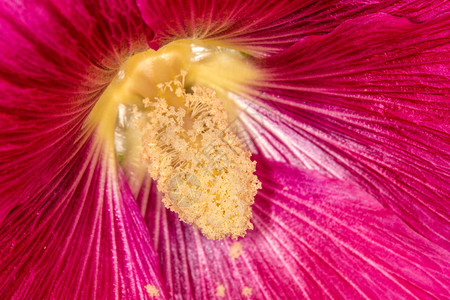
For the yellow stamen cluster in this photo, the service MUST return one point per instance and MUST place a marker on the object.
(202, 168)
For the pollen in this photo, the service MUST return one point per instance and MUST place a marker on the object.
(247, 291)
(220, 291)
(235, 250)
(202, 168)
(152, 290)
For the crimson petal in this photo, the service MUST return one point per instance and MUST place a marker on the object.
(83, 237)
(57, 57)
(265, 27)
(314, 237)
(69, 226)
(368, 103)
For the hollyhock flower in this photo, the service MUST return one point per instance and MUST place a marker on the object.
(344, 105)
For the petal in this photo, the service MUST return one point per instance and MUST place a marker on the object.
(262, 27)
(80, 237)
(70, 227)
(367, 108)
(314, 238)
(418, 10)
(57, 57)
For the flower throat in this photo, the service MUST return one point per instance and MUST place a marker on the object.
(178, 131)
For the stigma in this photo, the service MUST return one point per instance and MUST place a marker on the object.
(202, 168)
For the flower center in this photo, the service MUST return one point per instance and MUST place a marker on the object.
(202, 168)
(174, 108)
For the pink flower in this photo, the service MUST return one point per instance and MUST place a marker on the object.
(349, 130)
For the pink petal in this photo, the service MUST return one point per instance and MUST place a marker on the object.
(80, 237)
(56, 58)
(314, 237)
(69, 225)
(367, 103)
(262, 27)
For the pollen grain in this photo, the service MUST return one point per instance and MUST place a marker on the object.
(152, 290)
(247, 291)
(235, 250)
(220, 291)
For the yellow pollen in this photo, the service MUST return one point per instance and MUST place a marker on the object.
(235, 250)
(247, 291)
(152, 290)
(220, 291)
(202, 168)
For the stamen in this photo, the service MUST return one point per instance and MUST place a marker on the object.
(202, 168)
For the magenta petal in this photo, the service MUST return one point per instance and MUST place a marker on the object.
(264, 27)
(314, 238)
(82, 237)
(368, 103)
(69, 225)
(56, 58)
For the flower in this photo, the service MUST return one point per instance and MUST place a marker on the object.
(351, 149)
